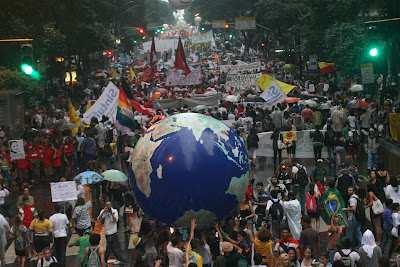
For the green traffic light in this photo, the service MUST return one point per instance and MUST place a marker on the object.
(27, 69)
(30, 71)
(374, 52)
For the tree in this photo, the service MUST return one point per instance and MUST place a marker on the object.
(13, 80)
(158, 13)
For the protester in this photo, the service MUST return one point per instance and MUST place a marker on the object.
(60, 226)
(81, 217)
(370, 252)
(21, 241)
(109, 217)
(41, 228)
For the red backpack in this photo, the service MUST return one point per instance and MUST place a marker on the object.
(28, 215)
(311, 203)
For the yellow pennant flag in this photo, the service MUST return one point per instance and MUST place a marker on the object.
(266, 81)
(131, 75)
(113, 74)
(73, 118)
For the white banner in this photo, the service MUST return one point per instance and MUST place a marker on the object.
(245, 23)
(202, 38)
(17, 150)
(233, 69)
(241, 81)
(177, 77)
(106, 105)
(304, 145)
(63, 191)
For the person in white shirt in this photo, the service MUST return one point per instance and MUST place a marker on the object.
(175, 255)
(109, 217)
(4, 230)
(392, 191)
(60, 224)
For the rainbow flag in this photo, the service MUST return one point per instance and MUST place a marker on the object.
(125, 120)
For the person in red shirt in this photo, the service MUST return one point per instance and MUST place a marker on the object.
(68, 151)
(24, 165)
(48, 160)
(57, 161)
(307, 114)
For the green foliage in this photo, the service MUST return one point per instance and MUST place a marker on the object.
(13, 80)
(158, 13)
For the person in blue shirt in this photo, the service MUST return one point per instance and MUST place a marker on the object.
(387, 228)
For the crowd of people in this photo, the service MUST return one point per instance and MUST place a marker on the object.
(279, 223)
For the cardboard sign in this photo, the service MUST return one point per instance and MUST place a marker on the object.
(17, 150)
(63, 191)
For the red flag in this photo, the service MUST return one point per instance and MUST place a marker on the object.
(141, 109)
(180, 59)
(153, 55)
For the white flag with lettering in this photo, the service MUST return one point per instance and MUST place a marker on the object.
(273, 95)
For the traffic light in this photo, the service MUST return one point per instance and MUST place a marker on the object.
(27, 64)
(373, 52)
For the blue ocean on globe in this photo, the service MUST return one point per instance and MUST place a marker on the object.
(189, 162)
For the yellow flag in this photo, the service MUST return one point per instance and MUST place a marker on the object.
(73, 118)
(113, 74)
(131, 75)
(265, 81)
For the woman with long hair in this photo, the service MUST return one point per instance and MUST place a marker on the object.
(21, 241)
(81, 216)
(41, 228)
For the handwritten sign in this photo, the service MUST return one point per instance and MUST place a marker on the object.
(63, 191)
(17, 150)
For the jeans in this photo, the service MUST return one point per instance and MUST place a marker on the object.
(372, 158)
(353, 231)
(60, 248)
(114, 247)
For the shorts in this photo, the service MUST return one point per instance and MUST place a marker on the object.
(21, 253)
(40, 242)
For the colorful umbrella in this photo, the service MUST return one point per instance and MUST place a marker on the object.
(114, 176)
(88, 177)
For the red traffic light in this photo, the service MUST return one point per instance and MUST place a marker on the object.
(141, 31)
(108, 53)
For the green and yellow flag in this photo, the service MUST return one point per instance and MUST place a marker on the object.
(332, 203)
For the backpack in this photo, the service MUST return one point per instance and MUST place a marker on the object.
(52, 259)
(345, 259)
(28, 215)
(93, 258)
(89, 146)
(20, 241)
(276, 211)
(302, 177)
(311, 203)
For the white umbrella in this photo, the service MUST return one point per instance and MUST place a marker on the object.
(356, 88)
(311, 103)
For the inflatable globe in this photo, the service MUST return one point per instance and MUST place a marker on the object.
(189, 163)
